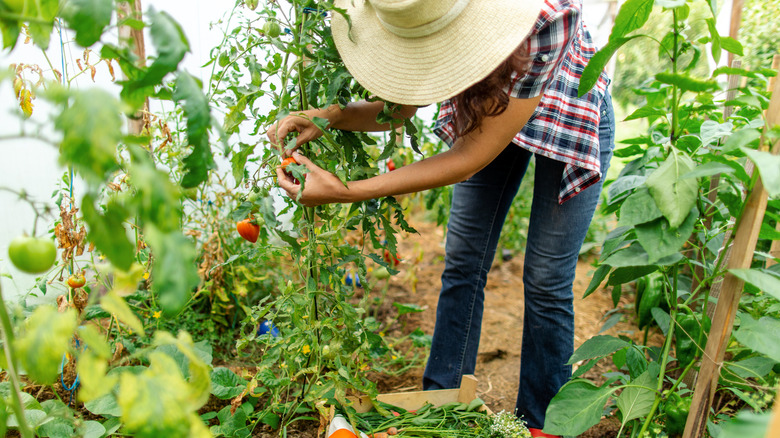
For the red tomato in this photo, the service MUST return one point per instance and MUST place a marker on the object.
(76, 281)
(391, 259)
(248, 230)
(390, 165)
(286, 162)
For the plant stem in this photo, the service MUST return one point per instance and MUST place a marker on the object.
(8, 342)
(664, 356)
(675, 100)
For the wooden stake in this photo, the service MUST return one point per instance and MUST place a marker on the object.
(132, 9)
(744, 245)
(736, 23)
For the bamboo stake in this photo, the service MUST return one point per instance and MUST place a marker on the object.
(744, 245)
(775, 248)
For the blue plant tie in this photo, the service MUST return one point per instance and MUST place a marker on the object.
(310, 10)
(72, 388)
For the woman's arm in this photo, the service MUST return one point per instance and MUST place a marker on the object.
(356, 116)
(467, 156)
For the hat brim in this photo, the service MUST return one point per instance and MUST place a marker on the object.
(424, 70)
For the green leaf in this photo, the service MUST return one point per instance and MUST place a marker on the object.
(629, 273)
(238, 161)
(107, 232)
(171, 45)
(673, 196)
(597, 346)
(712, 131)
(743, 137)
(156, 198)
(646, 112)
(687, 83)
(9, 29)
(114, 304)
(91, 429)
(188, 93)
(225, 384)
(637, 397)
(752, 367)
(595, 281)
(88, 18)
(633, 14)
(708, 169)
(638, 208)
(96, 384)
(403, 309)
(174, 273)
(660, 240)
(760, 335)
(765, 281)
(43, 341)
(105, 405)
(769, 167)
(747, 424)
(91, 127)
(576, 407)
(598, 62)
(635, 255)
(729, 44)
(44, 11)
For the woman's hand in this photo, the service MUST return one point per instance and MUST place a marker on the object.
(322, 187)
(301, 123)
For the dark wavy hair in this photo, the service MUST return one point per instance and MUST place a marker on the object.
(487, 97)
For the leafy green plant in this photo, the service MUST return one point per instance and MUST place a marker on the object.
(678, 199)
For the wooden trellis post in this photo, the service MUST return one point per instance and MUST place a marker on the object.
(746, 237)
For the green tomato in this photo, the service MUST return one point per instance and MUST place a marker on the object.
(32, 254)
(272, 29)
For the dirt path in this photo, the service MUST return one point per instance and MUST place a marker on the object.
(499, 352)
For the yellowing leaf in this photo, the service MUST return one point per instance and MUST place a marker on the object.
(114, 304)
(44, 339)
(94, 381)
(157, 402)
(25, 102)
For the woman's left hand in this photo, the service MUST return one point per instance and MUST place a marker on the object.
(322, 187)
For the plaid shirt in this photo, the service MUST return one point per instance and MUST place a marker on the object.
(563, 127)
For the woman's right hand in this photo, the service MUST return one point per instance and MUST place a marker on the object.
(299, 122)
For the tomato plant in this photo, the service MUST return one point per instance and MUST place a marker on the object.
(32, 254)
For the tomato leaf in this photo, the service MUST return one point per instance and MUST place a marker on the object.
(115, 305)
(175, 272)
(156, 199)
(760, 335)
(189, 95)
(238, 161)
(88, 18)
(107, 232)
(92, 127)
(43, 341)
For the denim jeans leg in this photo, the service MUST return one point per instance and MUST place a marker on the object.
(479, 207)
(555, 236)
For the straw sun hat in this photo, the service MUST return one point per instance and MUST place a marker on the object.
(418, 52)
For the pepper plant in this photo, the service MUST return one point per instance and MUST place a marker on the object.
(678, 197)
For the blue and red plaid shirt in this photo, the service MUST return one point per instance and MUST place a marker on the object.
(563, 127)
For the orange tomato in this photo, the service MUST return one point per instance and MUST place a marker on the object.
(248, 230)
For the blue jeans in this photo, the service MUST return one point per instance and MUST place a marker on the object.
(555, 235)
